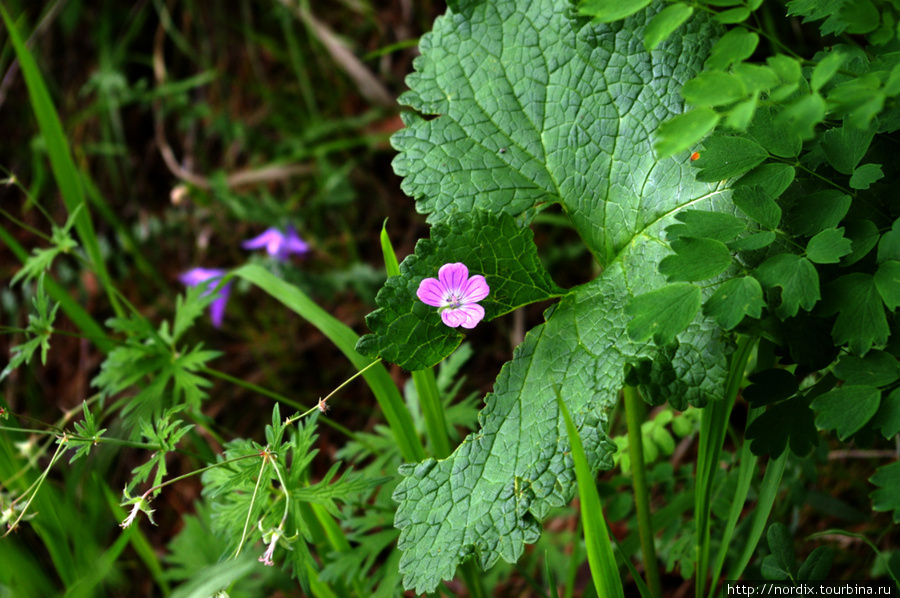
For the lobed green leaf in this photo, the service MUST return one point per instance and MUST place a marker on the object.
(695, 259)
(846, 409)
(797, 278)
(734, 300)
(665, 24)
(725, 157)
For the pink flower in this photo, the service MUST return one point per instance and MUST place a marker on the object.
(273, 538)
(210, 277)
(278, 244)
(455, 295)
(266, 558)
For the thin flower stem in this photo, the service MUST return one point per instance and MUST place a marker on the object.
(12, 330)
(287, 497)
(12, 179)
(324, 401)
(288, 401)
(33, 489)
(22, 225)
(195, 472)
(98, 440)
(66, 417)
(262, 470)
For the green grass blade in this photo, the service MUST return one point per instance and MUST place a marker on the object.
(61, 163)
(634, 415)
(768, 490)
(424, 380)
(89, 327)
(746, 468)
(337, 540)
(391, 265)
(554, 593)
(210, 580)
(713, 424)
(662, 518)
(601, 559)
(433, 412)
(87, 586)
(22, 570)
(319, 589)
(379, 381)
(642, 587)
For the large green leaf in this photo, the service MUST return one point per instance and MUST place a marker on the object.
(536, 106)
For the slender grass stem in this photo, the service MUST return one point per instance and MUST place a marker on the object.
(713, 424)
(634, 415)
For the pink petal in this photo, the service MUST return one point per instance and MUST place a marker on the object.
(293, 243)
(466, 316)
(453, 317)
(475, 289)
(196, 276)
(473, 313)
(270, 238)
(217, 307)
(431, 292)
(453, 276)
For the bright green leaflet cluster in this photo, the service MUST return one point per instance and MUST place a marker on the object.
(537, 106)
(813, 143)
(150, 361)
(276, 491)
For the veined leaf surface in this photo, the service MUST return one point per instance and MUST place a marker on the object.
(536, 106)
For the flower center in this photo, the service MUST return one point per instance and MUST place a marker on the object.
(454, 301)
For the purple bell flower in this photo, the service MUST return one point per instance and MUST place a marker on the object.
(279, 245)
(210, 277)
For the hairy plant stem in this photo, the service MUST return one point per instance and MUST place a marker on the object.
(634, 416)
(713, 425)
(469, 572)
(265, 461)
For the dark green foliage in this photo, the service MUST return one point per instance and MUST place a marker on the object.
(663, 313)
(770, 386)
(787, 422)
(828, 246)
(734, 300)
(818, 211)
(796, 277)
(846, 409)
(887, 496)
(781, 564)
